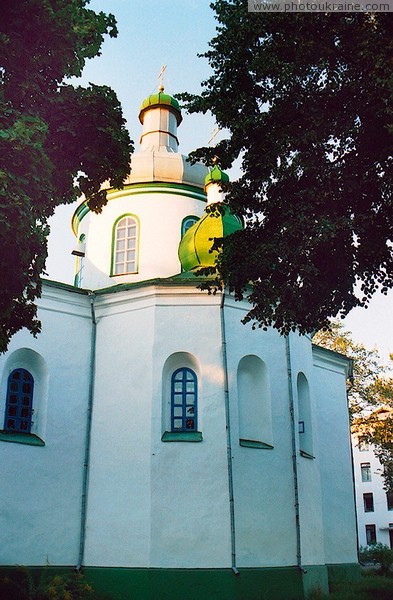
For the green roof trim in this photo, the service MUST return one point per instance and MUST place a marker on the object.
(189, 191)
(68, 287)
(189, 278)
(179, 279)
(161, 99)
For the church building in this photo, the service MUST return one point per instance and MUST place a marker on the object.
(152, 440)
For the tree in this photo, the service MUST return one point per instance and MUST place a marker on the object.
(306, 100)
(370, 389)
(57, 141)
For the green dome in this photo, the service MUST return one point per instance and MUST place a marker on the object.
(215, 176)
(161, 99)
(198, 240)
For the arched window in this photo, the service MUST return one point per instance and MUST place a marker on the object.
(125, 248)
(187, 223)
(184, 398)
(19, 404)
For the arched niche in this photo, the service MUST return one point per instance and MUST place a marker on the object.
(254, 403)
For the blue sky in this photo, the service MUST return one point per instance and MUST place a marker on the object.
(153, 33)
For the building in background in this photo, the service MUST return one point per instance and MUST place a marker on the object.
(149, 437)
(374, 504)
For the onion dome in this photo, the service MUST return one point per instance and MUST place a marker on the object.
(160, 100)
(216, 176)
(195, 246)
(160, 116)
(212, 187)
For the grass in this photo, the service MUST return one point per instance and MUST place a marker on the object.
(370, 587)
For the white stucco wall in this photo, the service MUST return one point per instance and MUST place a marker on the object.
(160, 212)
(334, 450)
(263, 481)
(309, 476)
(41, 490)
(154, 503)
(166, 504)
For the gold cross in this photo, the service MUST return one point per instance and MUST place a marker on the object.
(161, 78)
(213, 135)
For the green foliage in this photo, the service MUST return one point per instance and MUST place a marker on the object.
(379, 554)
(368, 387)
(24, 584)
(306, 99)
(56, 141)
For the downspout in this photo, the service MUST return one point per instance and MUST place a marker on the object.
(228, 434)
(294, 457)
(351, 382)
(86, 465)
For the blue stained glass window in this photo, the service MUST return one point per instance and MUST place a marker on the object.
(184, 398)
(19, 405)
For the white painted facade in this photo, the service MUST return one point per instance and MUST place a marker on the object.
(374, 505)
(247, 490)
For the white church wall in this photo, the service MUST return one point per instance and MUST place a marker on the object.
(190, 503)
(307, 439)
(263, 481)
(118, 524)
(40, 517)
(159, 213)
(339, 520)
(151, 501)
(155, 503)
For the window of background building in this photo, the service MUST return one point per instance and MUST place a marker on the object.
(389, 500)
(368, 501)
(366, 471)
(371, 535)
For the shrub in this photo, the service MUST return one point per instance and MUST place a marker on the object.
(23, 584)
(379, 554)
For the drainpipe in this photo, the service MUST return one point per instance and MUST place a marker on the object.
(228, 432)
(294, 456)
(351, 383)
(86, 464)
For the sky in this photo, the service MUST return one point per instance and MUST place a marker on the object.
(153, 33)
